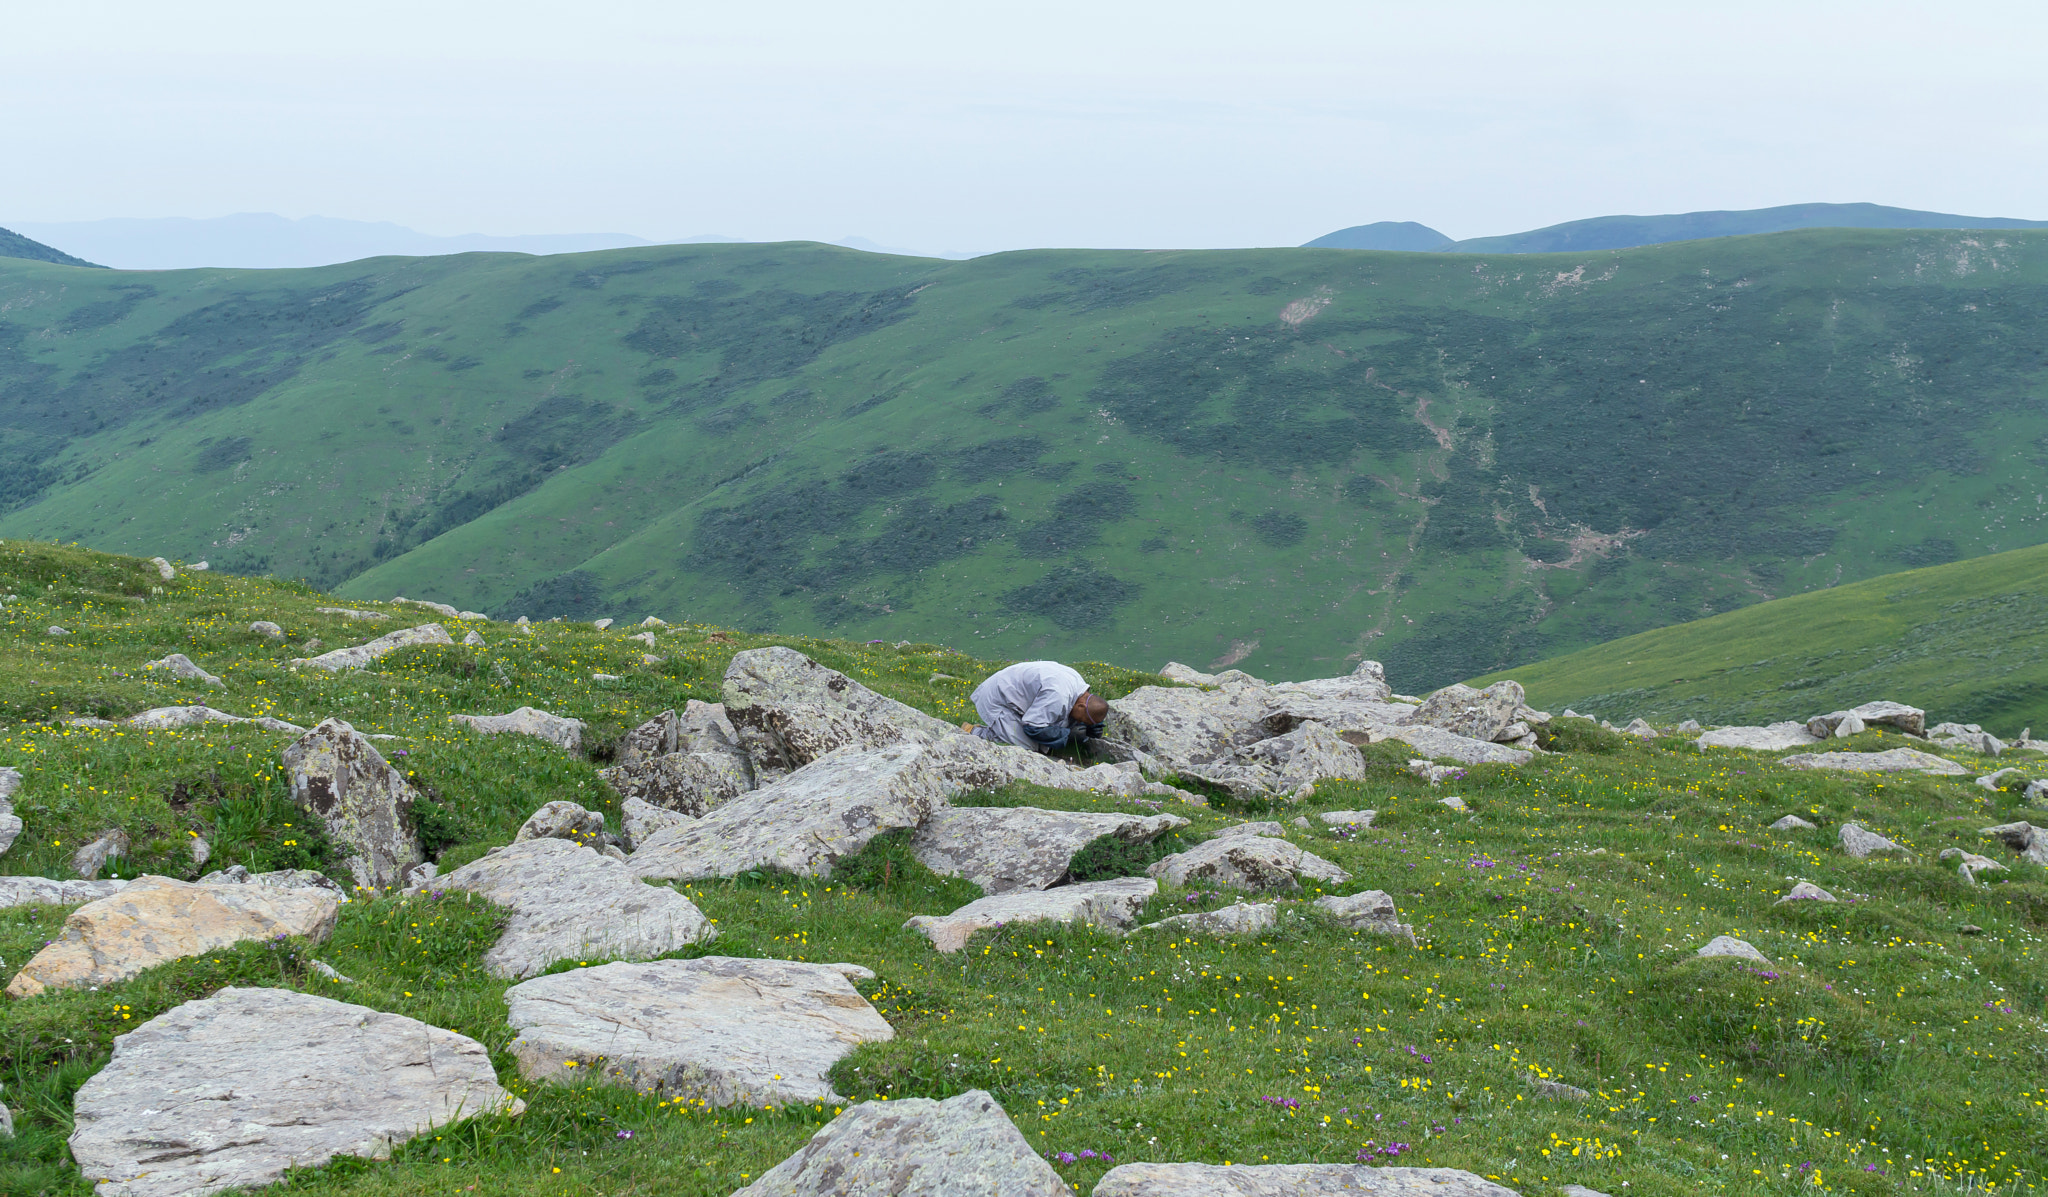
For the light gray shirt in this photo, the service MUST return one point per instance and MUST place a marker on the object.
(1032, 693)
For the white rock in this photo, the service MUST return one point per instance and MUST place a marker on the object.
(1252, 862)
(565, 734)
(1792, 823)
(264, 627)
(1850, 725)
(652, 622)
(88, 860)
(164, 569)
(1687, 728)
(1895, 715)
(1969, 864)
(10, 782)
(1284, 765)
(437, 608)
(601, 624)
(1022, 847)
(1775, 738)
(804, 822)
(231, 1090)
(1805, 891)
(54, 630)
(471, 638)
(390, 642)
(1110, 904)
(1860, 843)
(1891, 760)
(1187, 675)
(1365, 684)
(1436, 742)
(2026, 839)
(1267, 827)
(1349, 818)
(563, 820)
(720, 1029)
(1476, 714)
(570, 902)
(352, 613)
(180, 666)
(1640, 729)
(1454, 802)
(1238, 919)
(10, 829)
(42, 891)
(199, 567)
(1996, 780)
(163, 718)
(1291, 1180)
(964, 1146)
(1435, 774)
(1728, 945)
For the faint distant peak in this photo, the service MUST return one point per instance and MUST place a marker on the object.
(1384, 234)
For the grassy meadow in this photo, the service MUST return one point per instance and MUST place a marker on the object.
(1895, 1044)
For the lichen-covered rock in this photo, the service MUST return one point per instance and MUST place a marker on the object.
(1251, 862)
(1891, 760)
(690, 783)
(156, 919)
(180, 666)
(1773, 738)
(1895, 715)
(1728, 945)
(1022, 847)
(1285, 764)
(1367, 683)
(1185, 729)
(1805, 891)
(390, 642)
(1263, 827)
(2029, 841)
(788, 711)
(1860, 843)
(640, 819)
(366, 804)
(564, 820)
(1475, 714)
(565, 734)
(229, 1091)
(1373, 911)
(654, 738)
(1111, 904)
(1237, 919)
(570, 902)
(804, 822)
(1291, 1180)
(963, 1146)
(719, 1029)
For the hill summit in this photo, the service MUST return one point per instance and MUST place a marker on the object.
(1625, 232)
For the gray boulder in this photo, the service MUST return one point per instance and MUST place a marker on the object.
(1185, 730)
(654, 738)
(10, 782)
(1728, 945)
(1805, 891)
(366, 804)
(1967, 736)
(180, 666)
(390, 642)
(1851, 725)
(2037, 793)
(1891, 760)
(472, 638)
(963, 1146)
(2029, 841)
(1475, 714)
(690, 783)
(788, 711)
(1792, 823)
(1969, 864)
(229, 1091)
(565, 734)
(1022, 847)
(1285, 764)
(1266, 827)
(1434, 741)
(1640, 729)
(1372, 911)
(1556, 1090)
(275, 879)
(564, 820)
(1688, 728)
(167, 718)
(10, 827)
(1186, 675)
(1237, 919)
(1250, 862)
(1366, 684)
(1455, 803)
(719, 1029)
(1995, 780)
(44, 891)
(164, 569)
(1110, 904)
(1895, 715)
(1291, 1180)
(640, 819)
(1774, 738)
(1349, 818)
(804, 822)
(1860, 843)
(569, 902)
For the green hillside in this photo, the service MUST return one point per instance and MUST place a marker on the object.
(1283, 459)
(1967, 641)
(1626, 232)
(14, 245)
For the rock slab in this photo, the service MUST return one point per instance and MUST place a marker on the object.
(1373, 911)
(1022, 847)
(390, 642)
(719, 1029)
(571, 902)
(1291, 1180)
(963, 1146)
(565, 734)
(1891, 760)
(1252, 862)
(157, 919)
(1238, 919)
(1775, 737)
(231, 1090)
(1112, 904)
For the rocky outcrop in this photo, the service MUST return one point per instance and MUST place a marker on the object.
(917, 1147)
(1969, 864)
(1367, 683)
(788, 711)
(390, 642)
(1185, 730)
(166, 718)
(1110, 904)
(231, 1090)
(366, 804)
(1891, 760)
(1291, 1180)
(1237, 919)
(1372, 911)
(571, 902)
(1022, 847)
(1434, 741)
(1728, 945)
(1249, 862)
(1775, 737)
(180, 666)
(157, 919)
(1967, 736)
(802, 823)
(1895, 715)
(1474, 714)
(565, 734)
(718, 1029)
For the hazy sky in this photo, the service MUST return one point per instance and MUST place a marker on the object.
(953, 126)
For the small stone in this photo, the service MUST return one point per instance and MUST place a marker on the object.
(652, 622)
(163, 718)
(1372, 911)
(164, 569)
(1728, 945)
(1851, 725)
(1640, 729)
(1969, 929)
(1688, 727)
(472, 639)
(601, 624)
(1556, 1090)
(1860, 843)
(1455, 803)
(565, 734)
(1349, 818)
(1969, 864)
(199, 567)
(267, 629)
(90, 859)
(201, 851)
(1267, 827)
(1239, 919)
(1110, 904)
(54, 630)
(1805, 891)
(918, 1147)
(1792, 823)
(328, 971)
(563, 820)
(180, 666)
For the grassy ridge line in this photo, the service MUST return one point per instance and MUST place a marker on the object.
(1967, 641)
(1286, 457)
(1883, 1052)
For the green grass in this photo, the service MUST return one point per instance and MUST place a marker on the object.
(1457, 463)
(1966, 641)
(1883, 1048)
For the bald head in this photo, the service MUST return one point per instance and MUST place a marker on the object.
(1089, 708)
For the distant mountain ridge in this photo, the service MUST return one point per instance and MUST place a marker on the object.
(1627, 232)
(14, 245)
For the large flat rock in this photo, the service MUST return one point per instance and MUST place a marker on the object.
(1773, 738)
(390, 642)
(1111, 904)
(1022, 847)
(337, 774)
(232, 1090)
(1251, 862)
(720, 1029)
(1891, 760)
(802, 823)
(788, 711)
(963, 1146)
(1896, 715)
(157, 919)
(571, 902)
(1432, 741)
(42, 891)
(1292, 1180)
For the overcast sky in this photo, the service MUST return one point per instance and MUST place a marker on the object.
(954, 126)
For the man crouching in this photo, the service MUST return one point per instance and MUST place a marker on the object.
(1040, 705)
